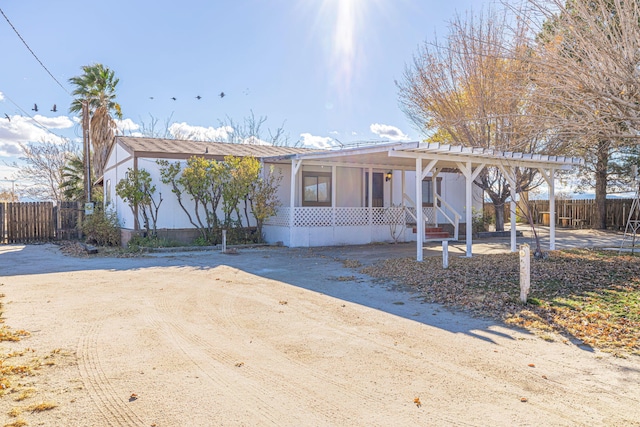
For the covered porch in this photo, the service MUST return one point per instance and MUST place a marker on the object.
(335, 198)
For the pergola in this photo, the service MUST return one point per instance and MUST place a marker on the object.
(470, 161)
(432, 158)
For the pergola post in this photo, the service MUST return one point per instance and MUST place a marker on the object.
(419, 213)
(550, 178)
(470, 176)
(552, 210)
(510, 176)
(469, 211)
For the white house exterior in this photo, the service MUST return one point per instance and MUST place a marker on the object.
(342, 197)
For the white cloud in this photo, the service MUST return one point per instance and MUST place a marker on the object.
(312, 141)
(128, 127)
(252, 140)
(200, 133)
(388, 132)
(1, 97)
(22, 130)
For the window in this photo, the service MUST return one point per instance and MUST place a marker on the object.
(427, 191)
(377, 190)
(108, 193)
(317, 189)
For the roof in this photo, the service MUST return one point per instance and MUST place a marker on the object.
(403, 154)
(175, 148)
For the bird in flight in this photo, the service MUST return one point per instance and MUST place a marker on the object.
(35, 107)
(54, 109)
(151, 97)
(173, 97)
(221, 94)
(8, 118)
(198, 97)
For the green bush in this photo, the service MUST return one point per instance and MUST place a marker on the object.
(102, 228)
(139, 242)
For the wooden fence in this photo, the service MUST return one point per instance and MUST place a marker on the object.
(575, 213)
(25, 222)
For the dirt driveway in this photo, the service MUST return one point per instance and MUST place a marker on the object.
(287, 337)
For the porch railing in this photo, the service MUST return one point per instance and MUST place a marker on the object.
(338, 216)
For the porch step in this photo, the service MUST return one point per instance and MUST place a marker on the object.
(434, 233)
(437, 235)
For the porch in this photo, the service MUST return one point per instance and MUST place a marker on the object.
(325, 226)
(317, 215)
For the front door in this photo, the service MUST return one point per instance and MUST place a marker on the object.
(377, 190)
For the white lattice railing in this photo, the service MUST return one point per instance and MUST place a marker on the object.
(339, 216)
(428, 213)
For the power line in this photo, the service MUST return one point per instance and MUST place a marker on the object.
(40, 125)
(32, 52)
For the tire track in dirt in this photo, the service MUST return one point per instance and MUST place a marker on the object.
(114, 411)
(446, 369)
(213, 367)
(295, 392)
(225, 303)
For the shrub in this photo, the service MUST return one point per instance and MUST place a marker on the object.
(102, 228)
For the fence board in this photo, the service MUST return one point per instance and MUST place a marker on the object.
(580, 212)
(28, 222)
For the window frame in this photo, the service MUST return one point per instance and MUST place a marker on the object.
(317, 175)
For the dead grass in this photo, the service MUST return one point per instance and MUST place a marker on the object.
(586, 295)
(17, 423)
(16, 367)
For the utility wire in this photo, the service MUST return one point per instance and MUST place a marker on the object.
(40, 125)
(32, 52)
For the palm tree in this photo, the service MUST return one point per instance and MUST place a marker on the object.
(97, 86)
(72, 184)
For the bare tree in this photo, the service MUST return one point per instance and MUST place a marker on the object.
(587, 81)
(473, 89)
(42, 166)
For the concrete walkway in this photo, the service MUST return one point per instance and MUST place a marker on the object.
(565, 239)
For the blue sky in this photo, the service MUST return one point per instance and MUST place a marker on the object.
(324, 69)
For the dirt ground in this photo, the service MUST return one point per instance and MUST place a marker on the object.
(286, 337)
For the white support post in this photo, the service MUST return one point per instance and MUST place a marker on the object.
(445, 254)
(295, 166)
(550, 178)
(470, 176)
(402, 202)
(513, 218)
(510, 176)
(552, 210)
(525, 272)
(333, 195)
(370, 197)
(434, 188)
(419, 213)
(469, 213)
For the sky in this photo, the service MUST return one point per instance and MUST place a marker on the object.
(323, 70)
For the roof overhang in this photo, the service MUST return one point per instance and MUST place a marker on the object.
(403, 155)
